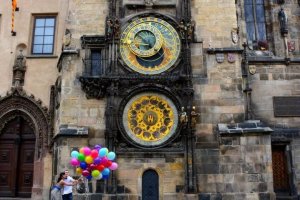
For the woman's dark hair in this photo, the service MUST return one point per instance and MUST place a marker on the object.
(60, 176)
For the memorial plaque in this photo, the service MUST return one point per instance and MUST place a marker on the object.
(286, 106)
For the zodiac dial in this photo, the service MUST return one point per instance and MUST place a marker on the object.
(149, 45)
(150, 119)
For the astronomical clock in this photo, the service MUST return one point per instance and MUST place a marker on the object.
(149, 119)
(146, 79)
(149, 46)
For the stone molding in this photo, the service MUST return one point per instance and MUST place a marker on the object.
(250, 127)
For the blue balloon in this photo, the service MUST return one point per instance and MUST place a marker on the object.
(105, 177)
(83, 165)
(103, 152)
(74, 154)
(111, 155)
(106, 171)
(89, 177)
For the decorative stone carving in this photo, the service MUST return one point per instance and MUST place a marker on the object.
(220, 57)
(149, 2)
(18, 103)
(19, 70)
(235, 35)
(67, 38)
(186, 29)
(113, 28)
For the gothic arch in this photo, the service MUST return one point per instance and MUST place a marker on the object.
(18, 103)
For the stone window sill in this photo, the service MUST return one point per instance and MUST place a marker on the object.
(41, 56)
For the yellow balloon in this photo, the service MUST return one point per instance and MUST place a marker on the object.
(78, 170)
(89, 159)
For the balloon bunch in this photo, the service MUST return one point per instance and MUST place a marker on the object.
(93, 163)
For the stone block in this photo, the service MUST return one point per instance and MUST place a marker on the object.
(204, 196)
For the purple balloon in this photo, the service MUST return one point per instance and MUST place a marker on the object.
(97, 161)
(97, 146)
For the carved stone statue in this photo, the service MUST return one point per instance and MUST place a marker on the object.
(194, 116)
(183, 116)
(19, 70)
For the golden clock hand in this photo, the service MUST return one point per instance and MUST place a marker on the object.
(144, 44)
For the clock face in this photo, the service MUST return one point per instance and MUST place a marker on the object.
(149, 45)
(150, 119)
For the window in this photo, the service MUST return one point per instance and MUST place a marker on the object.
(95, 62)
(43, 35)
(255, 20)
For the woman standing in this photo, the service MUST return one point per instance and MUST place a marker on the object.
(57, 188)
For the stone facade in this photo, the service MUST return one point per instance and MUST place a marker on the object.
(227, 149)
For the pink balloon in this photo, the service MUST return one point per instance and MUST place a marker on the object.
(85, 173)
(86, 151)
(113, 166)
(74, 162)
(103, 160)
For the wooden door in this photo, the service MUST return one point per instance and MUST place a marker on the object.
(17, 143)
(280, 171)
(150, 189)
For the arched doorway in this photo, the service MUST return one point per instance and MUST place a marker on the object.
(17, 150)
(150, 185)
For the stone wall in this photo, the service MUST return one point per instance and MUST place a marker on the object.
(270, 81)
(241, 168)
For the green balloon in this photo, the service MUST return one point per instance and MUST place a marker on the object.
(81, 157)
(95, 173)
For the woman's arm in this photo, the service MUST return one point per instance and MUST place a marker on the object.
(66, 183)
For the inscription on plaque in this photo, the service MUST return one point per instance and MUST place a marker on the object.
(286, 106)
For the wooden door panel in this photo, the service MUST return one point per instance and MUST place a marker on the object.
(8, 162)
(280, 172)
(25, 168)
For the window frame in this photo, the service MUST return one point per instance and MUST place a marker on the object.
(45, 16)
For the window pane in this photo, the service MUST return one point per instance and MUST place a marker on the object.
(47, 49)
(39, 22)
(251, 31)
(261, 2)
(39, 31)
(261, 31)
(48, 39)
(37, 48)
(50, 22)
(248, 2)
(249, 13)
(95, 55)
(49, 31)
(260, 13)
(96, 63)
(38, 40)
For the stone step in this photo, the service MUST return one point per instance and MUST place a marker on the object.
(286, 197)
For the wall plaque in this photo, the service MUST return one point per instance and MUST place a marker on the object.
(286, 106)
